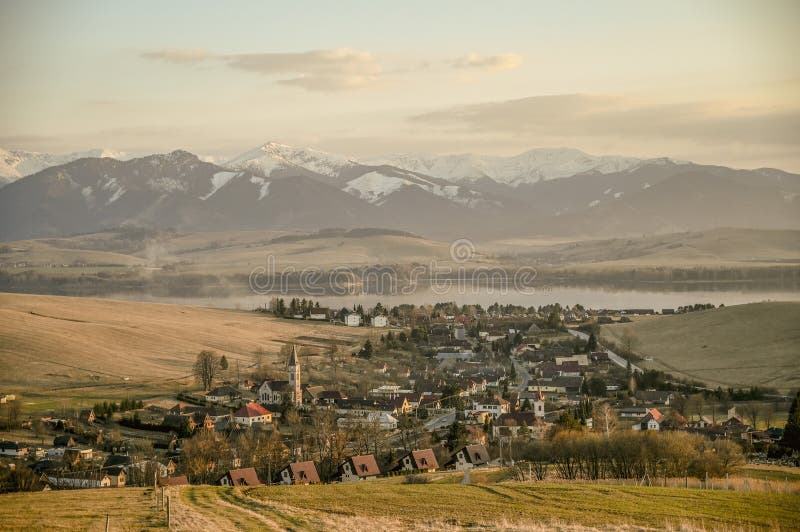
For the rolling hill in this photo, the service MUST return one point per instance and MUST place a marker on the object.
(738, 346)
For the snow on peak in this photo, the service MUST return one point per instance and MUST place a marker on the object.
(273, 156)
(534, 165)
(15, 164)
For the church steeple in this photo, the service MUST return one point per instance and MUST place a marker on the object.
(294, 377)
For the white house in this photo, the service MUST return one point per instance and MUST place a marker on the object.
(12, 448)
(491, 407)
(352, 320)
(460, 333)
(379, 321)
(252, 413)
(318, 314)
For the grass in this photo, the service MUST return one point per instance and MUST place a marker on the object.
(387, 505)
(738, 346)
(62, 351)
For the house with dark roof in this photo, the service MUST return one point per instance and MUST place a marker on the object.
(361, 467)
(422, 461)
(240, 477)
(469, 456)
(223, 394)
(299, 473)
(12, 448)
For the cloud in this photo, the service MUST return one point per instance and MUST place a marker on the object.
(616, 117)
(320, 70)
(315, 70)
(174, 55)
(488, 62)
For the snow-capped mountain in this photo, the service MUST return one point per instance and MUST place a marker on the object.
(371, 183)
(277, 187)
(272, 156)
(535, 165)
(19, 163)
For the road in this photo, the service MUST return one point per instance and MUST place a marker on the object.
(612, 356)
(440, 421)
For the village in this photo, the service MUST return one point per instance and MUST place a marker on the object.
(448, 387)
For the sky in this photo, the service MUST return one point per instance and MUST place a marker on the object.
(712, 82)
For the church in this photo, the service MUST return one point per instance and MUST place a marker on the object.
(288, 391)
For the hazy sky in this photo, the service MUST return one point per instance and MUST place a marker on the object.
(715, 82)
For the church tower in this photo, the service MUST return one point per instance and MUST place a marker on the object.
(294, 378)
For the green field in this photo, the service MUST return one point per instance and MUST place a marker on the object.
(389, 505)
(739, 346)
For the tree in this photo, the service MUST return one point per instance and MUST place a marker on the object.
(205, 368)
(223, 363)
(629, 341)
(591, 343)
(791, 432)
(12, 414)
(367, 350)
(456, 436)
(603, 418)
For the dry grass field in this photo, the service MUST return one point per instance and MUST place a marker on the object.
(388, 505)
(739, 346)
(61, 348)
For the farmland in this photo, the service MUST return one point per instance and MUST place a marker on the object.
(56, 350)
(738, 346)
(388, 505)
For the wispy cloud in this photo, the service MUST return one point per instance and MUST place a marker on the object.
(175, 55)
(488, 62)
(322, 70)
(315, 70)
(609, 116)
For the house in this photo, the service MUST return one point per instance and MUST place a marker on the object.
(352, 319)
(359, 467)
(174, 481)
(311, 394)
(7, 397)
(331, 397)
(492, 407)
(319, 313)
(379, 321)
(423, 461)
(12, 448)
(299, 473)
(469, 456)
(654, 397)
(383, 419)
(223, 394)
(651, 421)
(85, 480)
(64, 440)
(252, 413)
(240, 477)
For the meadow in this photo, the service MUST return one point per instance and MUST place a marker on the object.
(739, 346)
(386, 504)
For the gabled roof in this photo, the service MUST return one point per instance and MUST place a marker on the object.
(222, 391)
(244, 477)
(304, 472)
(174, 481)
(252, 410)
(476, 454)
(365, 465)
(277, 386)
(425, 459)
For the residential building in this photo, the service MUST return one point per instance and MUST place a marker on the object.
(362, 467)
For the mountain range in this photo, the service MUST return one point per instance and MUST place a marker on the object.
(563, 192)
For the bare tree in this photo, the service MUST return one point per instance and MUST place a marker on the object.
(629, 341)
(604, 418)
(752, 411)
(769, 414)
(205, 368)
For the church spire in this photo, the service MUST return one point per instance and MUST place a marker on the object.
(293, 356)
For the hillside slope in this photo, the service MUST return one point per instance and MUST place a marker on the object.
(49, 342)
(739, 346)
